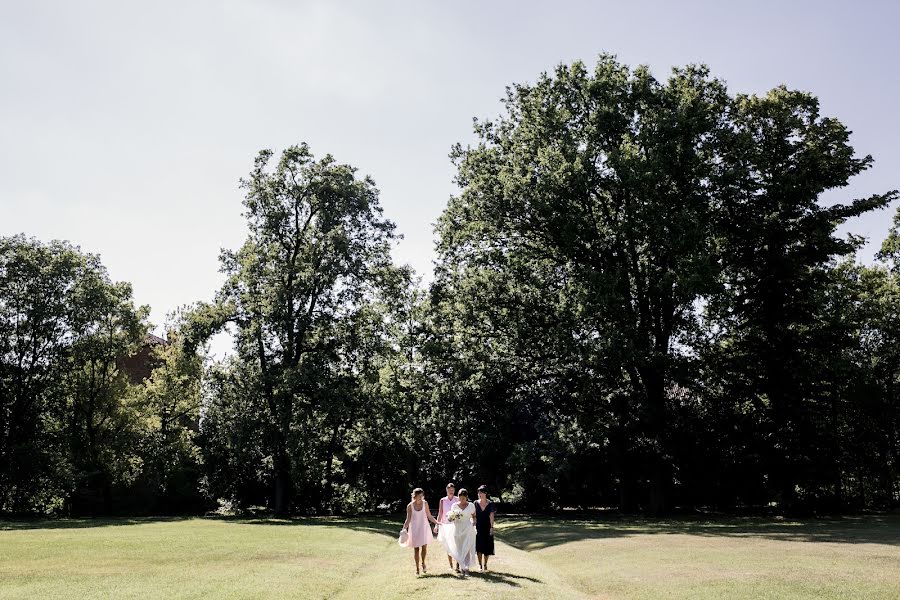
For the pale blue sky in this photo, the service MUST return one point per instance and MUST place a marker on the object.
(125, 126)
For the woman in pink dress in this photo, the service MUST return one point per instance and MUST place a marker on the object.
(416, 525)
(446, 503)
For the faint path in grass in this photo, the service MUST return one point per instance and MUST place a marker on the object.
(346, 558)
(247, 558)
(513, 573)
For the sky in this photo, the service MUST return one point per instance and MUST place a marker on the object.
(126, 126)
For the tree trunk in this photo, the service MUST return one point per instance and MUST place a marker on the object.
(659, 487)
(623, 457)
(328, 491)
(657, 469)
(782, 402)
(106, 490)
(627, 497)
(283, 485)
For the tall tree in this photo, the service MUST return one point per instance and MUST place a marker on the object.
(36, 281)
(65, 420)
(777, 242)
(881, 348)
(606, 175)
(102, 420)
(317, 250)
(169, 402)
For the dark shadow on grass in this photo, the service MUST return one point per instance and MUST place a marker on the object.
(535, 534)
(507, 578)
(493, 576)
(389, 527)
(380, 525)
(84, 523)
(440, 576)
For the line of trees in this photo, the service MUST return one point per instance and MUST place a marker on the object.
(640, 300)
(77, 434)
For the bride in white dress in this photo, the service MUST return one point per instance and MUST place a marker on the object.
(460, 536)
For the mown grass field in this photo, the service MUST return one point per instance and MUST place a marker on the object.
(536, 558)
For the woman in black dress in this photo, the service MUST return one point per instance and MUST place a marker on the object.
(484, 528)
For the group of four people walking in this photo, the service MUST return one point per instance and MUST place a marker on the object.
(466, 529)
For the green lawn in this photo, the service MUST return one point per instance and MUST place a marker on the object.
(537, 558)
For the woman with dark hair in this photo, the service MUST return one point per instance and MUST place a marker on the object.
(484, 528)
(460, 534)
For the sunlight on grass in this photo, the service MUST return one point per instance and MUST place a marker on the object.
(537, 558)
(738, 558)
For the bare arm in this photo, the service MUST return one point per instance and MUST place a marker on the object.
(428, 514)
(440, 517)
(492, 521)
(408, 516)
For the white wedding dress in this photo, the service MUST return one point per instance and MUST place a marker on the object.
(459, 537)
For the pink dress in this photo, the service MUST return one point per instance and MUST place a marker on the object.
(447, 504)
(419, 531)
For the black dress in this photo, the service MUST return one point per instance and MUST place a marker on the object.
(484, 541)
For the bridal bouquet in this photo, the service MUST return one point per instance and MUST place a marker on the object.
(454, 515)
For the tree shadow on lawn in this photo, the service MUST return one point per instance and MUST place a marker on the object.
(385, 526)
(389, 527)
(84, 522)
(537, 533)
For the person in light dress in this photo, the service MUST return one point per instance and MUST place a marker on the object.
(459, 537)
(447, 503)
(416, 533)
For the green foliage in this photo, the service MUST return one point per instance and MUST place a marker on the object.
(647, 264)
(592, 193)
(237, 462)
(890, 248)
(68, 428)
(169, 405)
(303, 295)
(640, 300)
(778, 317)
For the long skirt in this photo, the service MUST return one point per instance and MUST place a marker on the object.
(484, 542)
(459, 539)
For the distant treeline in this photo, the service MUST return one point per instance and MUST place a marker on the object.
(640, 301)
